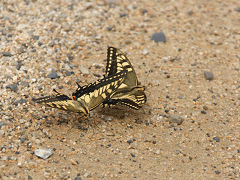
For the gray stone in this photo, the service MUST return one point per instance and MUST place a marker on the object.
(217, 139)
(108, 118)
(6, 54)
(43, 153)
(68, 73)
(20, 101)
(84, 70)
(53, 74)
(175, 119)
(159, 37)
(2, 123)
(208, 75)
(78, 178)
(13, 87)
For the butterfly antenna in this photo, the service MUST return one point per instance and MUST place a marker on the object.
(78, 85)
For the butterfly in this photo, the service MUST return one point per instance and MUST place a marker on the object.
(85, 98)
(130, 92)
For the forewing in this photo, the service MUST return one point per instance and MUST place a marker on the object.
(95, 93)
(59, 101)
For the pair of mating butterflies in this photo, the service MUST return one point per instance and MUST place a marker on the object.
(119, 86)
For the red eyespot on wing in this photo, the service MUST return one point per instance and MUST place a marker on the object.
(74, 97)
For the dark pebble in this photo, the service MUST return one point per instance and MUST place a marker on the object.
(53, 74)
(159, 37)
(238, 9)
(238, 150)
(217, 172)
(13, 87)
(35, 38)
(22, 140)
(39, 43)
(205, 108)
(19, 64)
(68, 73)
(123, 15)
(208, 75)
(130, 141)
(109, 28)
(78, 178)
(109, 145)
(69, 56)
(29, 177)
(203, 112)
(217, 139)
(144, 11)
(8, 54)
(133, 155)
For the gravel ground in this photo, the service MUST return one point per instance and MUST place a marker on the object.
(187, 55)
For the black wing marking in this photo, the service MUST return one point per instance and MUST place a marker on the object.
(82, 90)
(111, 67)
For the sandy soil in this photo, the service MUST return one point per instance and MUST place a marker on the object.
(189, 127)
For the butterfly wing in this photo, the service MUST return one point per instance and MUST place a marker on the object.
(63, 102)
(134, 98)
(129, 92)
(118, 61)
(96, 93)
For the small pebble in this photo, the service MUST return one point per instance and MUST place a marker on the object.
(217, 172)
(35, 38)
(19, 65)
(8, 54)
(69, 56)
(217, 139)
(108, 118)
(130, 141)
(238, 9)
(68, 73)
(208, 75)
(123, 15)
(144, 11)
(203, 112)
(2, 123)
(145, 52)
(84, 70)
(21, 101)
(78, 178)
(43, 153)
(175, 119)
(53, 74)
(133, 155)
(159, 37)
(13, 87)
